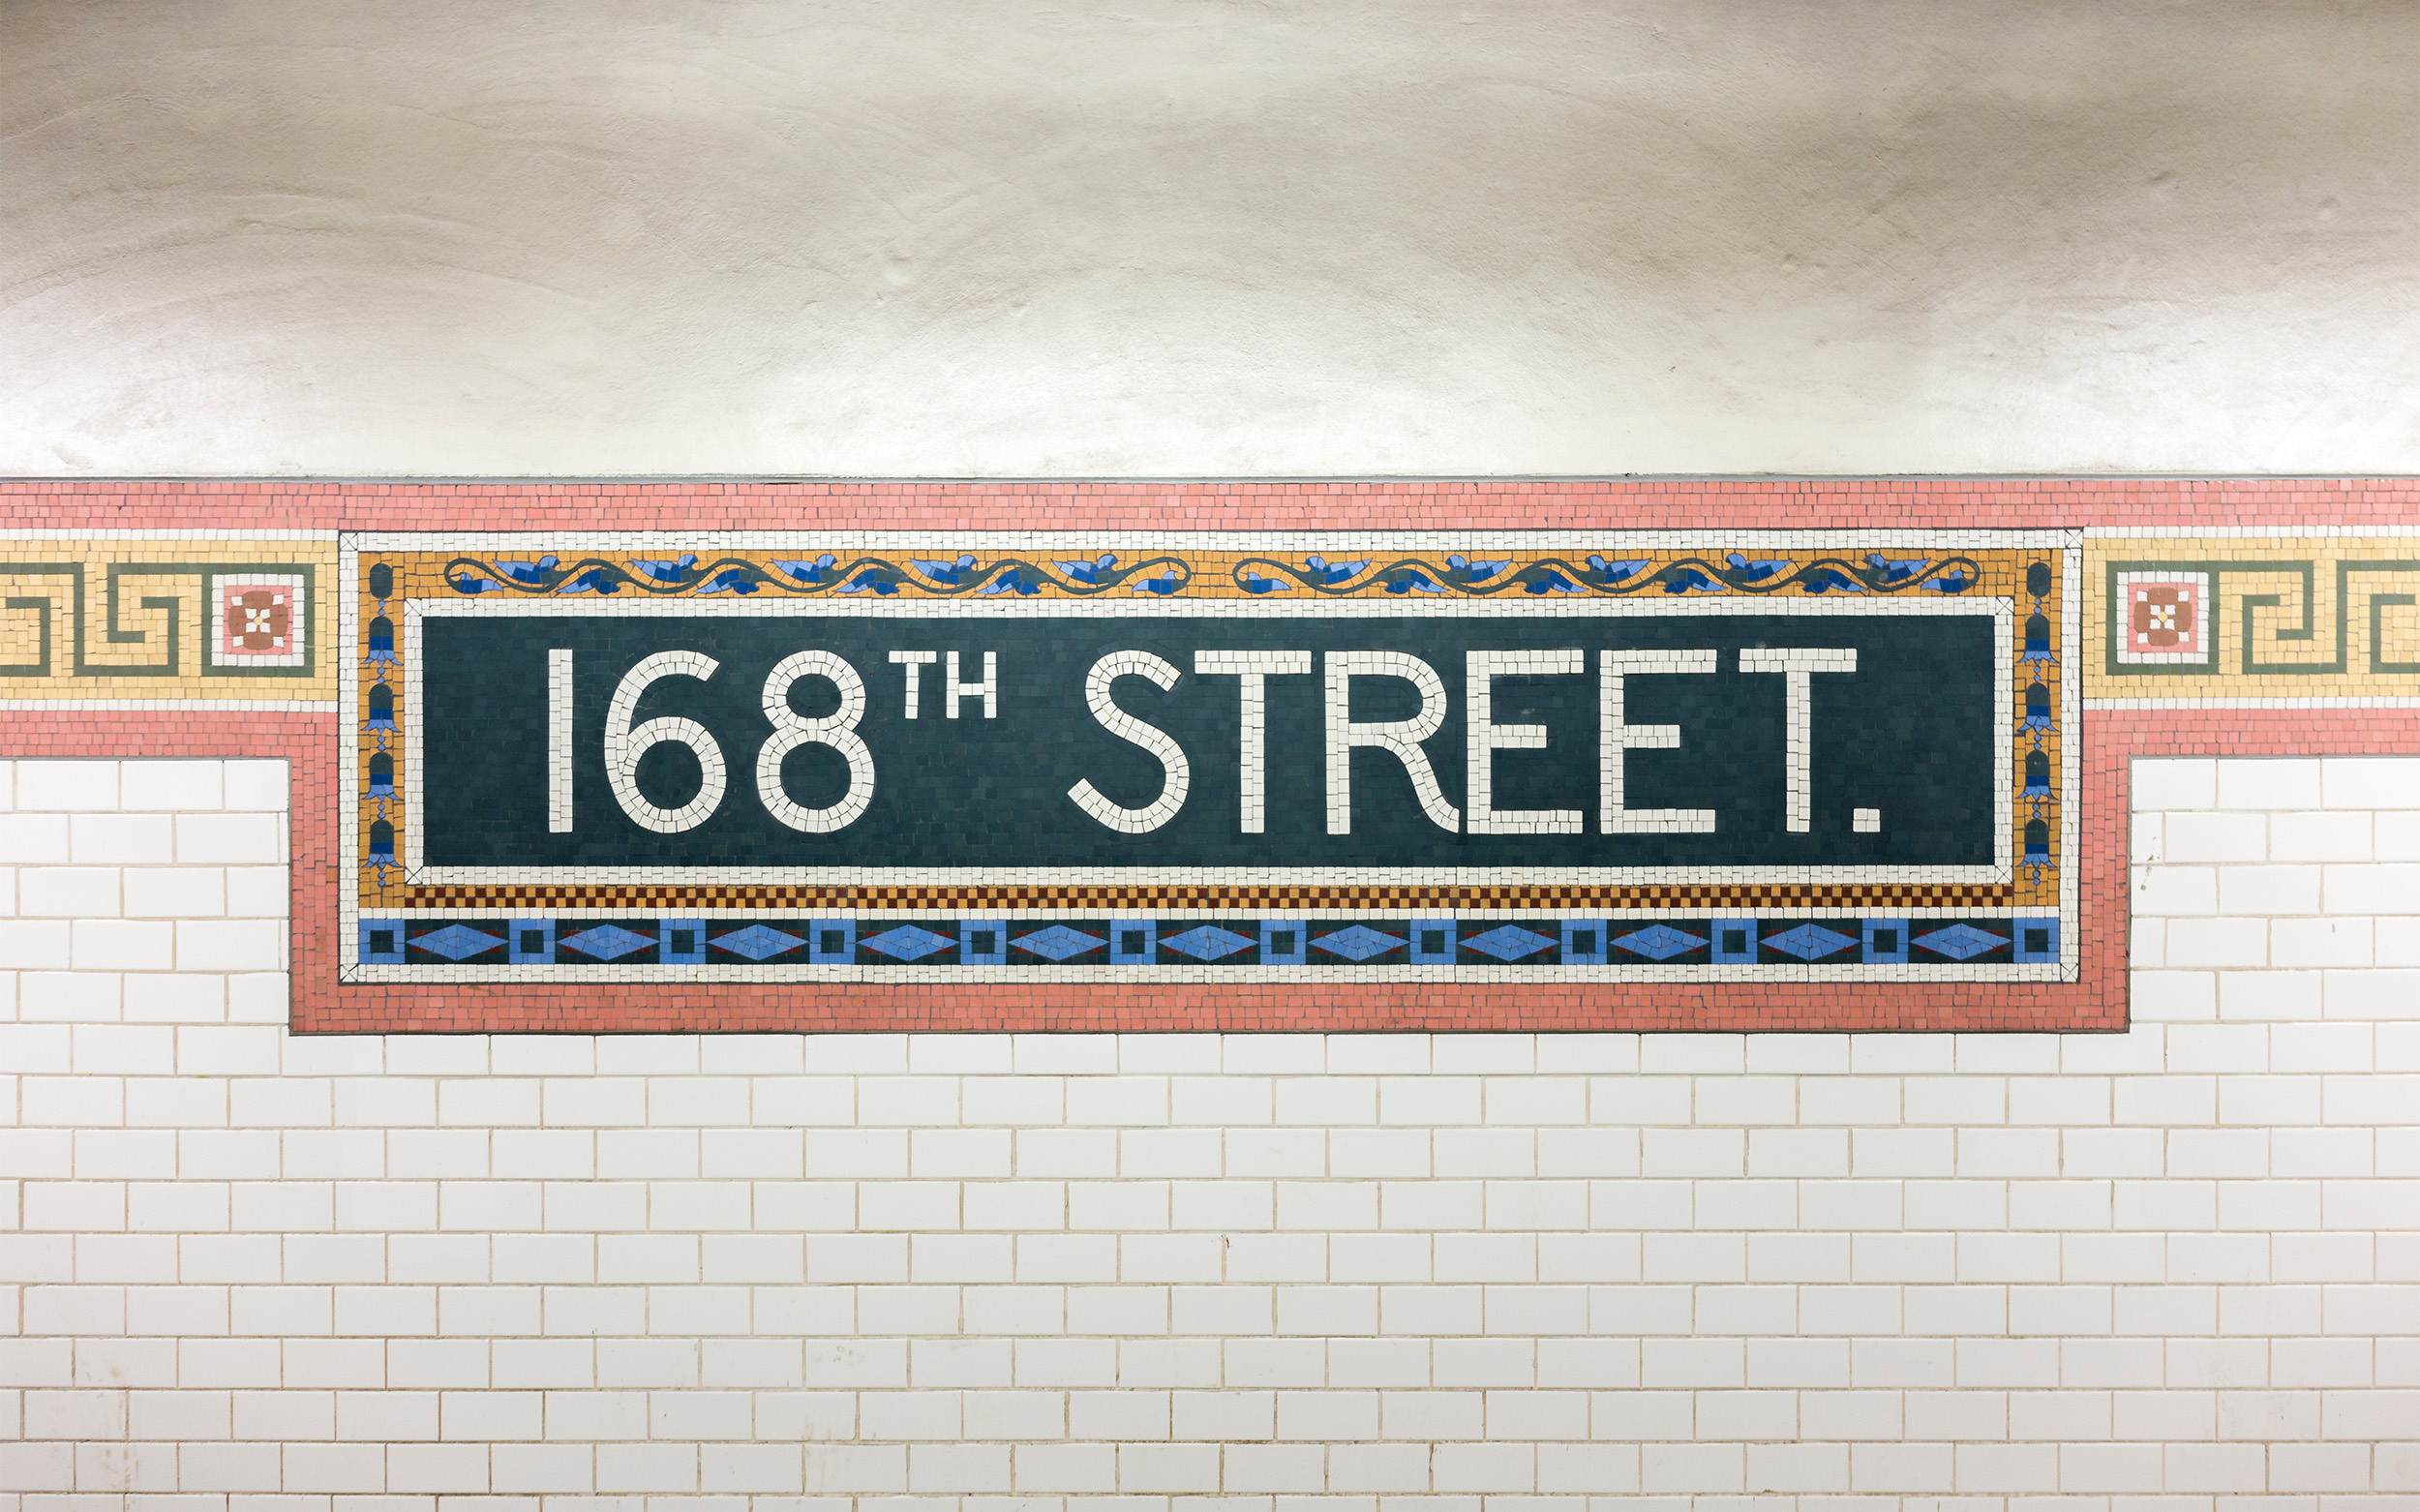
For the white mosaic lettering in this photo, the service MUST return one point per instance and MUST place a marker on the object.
(1617, 737)
(559, 741)
(1402, 737)
(1798, 666)
(1485, 738)
(915, 662)
(836, 730)
(989, 687)
(624, 746)
(1177, 771)
(1251, 671)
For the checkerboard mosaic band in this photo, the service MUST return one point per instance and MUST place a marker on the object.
(1022, 900)
(2275, 618)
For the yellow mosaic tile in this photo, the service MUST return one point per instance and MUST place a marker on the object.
(2251, 618)
(233, 620)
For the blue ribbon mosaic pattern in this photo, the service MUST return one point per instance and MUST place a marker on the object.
(1330, 944)
(949, 575)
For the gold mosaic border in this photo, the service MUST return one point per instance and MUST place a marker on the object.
(1198, 575)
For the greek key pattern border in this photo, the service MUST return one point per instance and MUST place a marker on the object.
(122, 591)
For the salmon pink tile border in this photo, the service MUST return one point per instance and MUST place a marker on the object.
(312, 741)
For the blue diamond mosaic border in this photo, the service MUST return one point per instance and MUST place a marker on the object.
(1210, 946)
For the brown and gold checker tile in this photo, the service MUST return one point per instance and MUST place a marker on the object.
(1775, 897)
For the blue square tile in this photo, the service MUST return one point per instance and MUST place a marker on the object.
(2037, 939)
(681, 941)
(530, 941)
(982, 942)
(1285, 942)
(1134, 941)
(832, 941)
(382, 942)
(1885, 941)
(1433, 941)
(1583, 940)
(1735, 941)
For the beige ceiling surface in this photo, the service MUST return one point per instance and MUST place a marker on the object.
(332, 237)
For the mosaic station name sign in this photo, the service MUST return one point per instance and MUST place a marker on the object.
(556, 743)
(1205, 758)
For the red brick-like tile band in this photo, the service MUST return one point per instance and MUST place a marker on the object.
(311, 741)
(2189, 506)
(2109, 738)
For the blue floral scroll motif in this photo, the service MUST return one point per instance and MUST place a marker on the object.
(1682, 578)
(881, 581)
(814, 574)
(1012, 581)
(739, 579)
(1088, 573)
(1597, 574)
(673, 574)
(962, 574)
(948, 574)
(1542, 580)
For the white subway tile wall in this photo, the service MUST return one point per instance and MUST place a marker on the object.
(2143, 1273)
